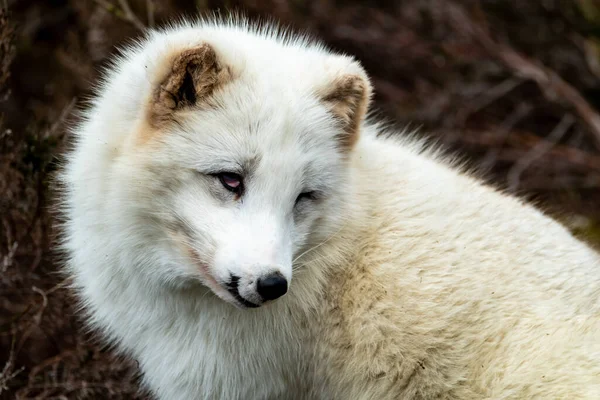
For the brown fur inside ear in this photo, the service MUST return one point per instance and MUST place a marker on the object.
(349, 99)
(194, 75)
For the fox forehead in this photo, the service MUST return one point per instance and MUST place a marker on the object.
(266, 128)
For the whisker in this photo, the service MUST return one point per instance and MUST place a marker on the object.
(318, 245)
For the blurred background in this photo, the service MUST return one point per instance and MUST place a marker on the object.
(511, 86)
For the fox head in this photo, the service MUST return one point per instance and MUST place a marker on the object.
(237, 161)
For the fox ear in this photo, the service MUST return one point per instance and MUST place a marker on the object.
(348, 97)
(192, 76)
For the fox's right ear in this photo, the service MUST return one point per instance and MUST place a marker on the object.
(192, 75)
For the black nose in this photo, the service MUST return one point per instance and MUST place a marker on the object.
(272, 286)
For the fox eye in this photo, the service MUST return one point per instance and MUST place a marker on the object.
(305, 196)
(231, 181)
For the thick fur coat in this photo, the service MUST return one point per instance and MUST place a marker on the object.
(217, 152)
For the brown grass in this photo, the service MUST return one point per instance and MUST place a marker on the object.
(513, 85)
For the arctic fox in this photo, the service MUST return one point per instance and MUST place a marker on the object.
(236, 224)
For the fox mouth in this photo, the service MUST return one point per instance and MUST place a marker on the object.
(233, 288)
(228, 291)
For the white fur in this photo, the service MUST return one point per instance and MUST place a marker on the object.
(408, 278)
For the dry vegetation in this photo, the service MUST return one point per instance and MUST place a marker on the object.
(514, 85)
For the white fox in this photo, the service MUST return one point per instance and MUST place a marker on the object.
(234, 223)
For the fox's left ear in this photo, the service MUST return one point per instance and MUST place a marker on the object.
(347, 94)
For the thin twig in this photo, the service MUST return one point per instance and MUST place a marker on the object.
(562, 182)
(150, 12)
(123, 12)
(130, 15)
(520, 112)
(61, 285)
(589, 48)
(490, 96)
(514, 175)
(7, 372)
(12, 246)
(519, 142)
(7, 260)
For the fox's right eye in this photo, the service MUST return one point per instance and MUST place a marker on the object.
(231, 181)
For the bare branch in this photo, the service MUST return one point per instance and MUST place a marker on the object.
(7, 372)
(150, 12)
(490, 96)
(520, 112)
(550, 83)
(517, 143)
(62, 118)
(514, 175)
(130, 15)
(123, 12)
